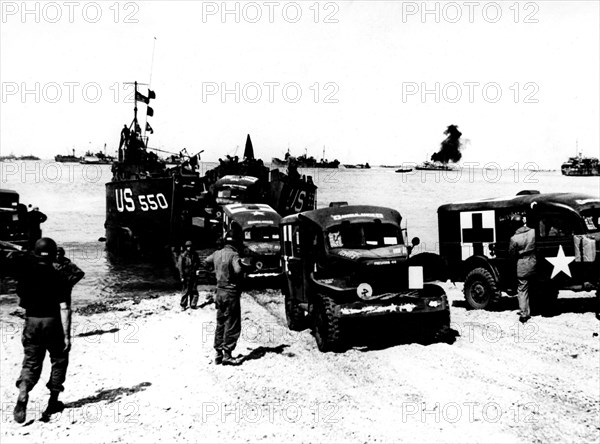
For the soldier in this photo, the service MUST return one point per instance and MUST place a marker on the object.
(228, 269)
(44, 295)
(70, 272)
(187, 264)
(522, 246)
(34, 219)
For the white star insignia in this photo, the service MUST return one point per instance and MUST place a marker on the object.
(258, 213)
(560, 262)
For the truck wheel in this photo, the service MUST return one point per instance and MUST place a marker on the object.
(296, 318)
(326, 324)
(480, 288)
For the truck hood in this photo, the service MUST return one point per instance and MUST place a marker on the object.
(379, 256)
(263, 248)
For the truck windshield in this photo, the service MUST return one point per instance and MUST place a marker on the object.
(591, 219)
(261, 234)
(364, 236)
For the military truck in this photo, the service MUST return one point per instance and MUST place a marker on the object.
(352, 261)
(258, 225)
(474, 240)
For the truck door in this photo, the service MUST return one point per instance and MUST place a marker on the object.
(555, 229)
(292, 260)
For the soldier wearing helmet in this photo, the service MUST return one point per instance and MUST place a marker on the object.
(228, 269)
(44, 294)
(187, 265)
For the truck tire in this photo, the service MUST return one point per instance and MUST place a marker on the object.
(480, 288)
(295, 316)
(326, 326)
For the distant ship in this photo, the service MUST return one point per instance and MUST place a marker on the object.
(436, 166)
(99, 158)
(304, 161)
(360, 166)
(581, 166)
(68, 158)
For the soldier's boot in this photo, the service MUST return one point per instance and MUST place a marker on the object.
(219, 357)
(230, 360)
(54, 406)
(20, 411)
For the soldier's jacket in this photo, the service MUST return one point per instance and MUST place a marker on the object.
(70, 271)
(187, 264)
(227, 267)
(522, 246)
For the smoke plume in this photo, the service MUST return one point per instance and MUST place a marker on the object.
(450, 148)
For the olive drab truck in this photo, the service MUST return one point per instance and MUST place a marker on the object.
(346, 262)
(474, 240)
(258, 225)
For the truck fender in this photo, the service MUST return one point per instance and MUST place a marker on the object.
(480, 262)
(435, 267)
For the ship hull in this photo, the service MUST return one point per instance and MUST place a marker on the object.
(139, 214)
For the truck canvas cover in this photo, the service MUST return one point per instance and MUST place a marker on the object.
(576, 201)
(250, 215)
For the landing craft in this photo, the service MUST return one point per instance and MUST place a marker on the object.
(151, 206)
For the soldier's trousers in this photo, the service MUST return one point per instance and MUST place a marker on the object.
(41, 335)
(190, 291)
(229, 319)
(523, 296)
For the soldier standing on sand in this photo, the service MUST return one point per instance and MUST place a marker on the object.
(522, 246)
(71, 272)
(228, 268)
(187, 264)
(43, 293)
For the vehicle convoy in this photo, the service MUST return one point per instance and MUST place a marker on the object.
(474, 241)
(349, 262)
(258, 225)
(150, 206)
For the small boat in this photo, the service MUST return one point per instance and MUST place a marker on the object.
(404, 170)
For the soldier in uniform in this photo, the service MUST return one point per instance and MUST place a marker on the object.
(228, 268)
(187, 264)
(522, 246)
(71, 272)
(43, 293)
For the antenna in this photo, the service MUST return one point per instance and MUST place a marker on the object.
(150, 83)
(152, 62)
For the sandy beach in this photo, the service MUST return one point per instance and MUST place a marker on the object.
(143, 372)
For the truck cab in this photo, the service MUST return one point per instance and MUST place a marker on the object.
(475, 236)
(352, 261)
(258, 225)
(13, 215)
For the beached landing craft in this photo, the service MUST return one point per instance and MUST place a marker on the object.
(150, 206)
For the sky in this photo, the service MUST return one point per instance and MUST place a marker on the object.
(371, 81)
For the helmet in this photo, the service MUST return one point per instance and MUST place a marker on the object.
(188, 243)
(60, 251)
(46, 248)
